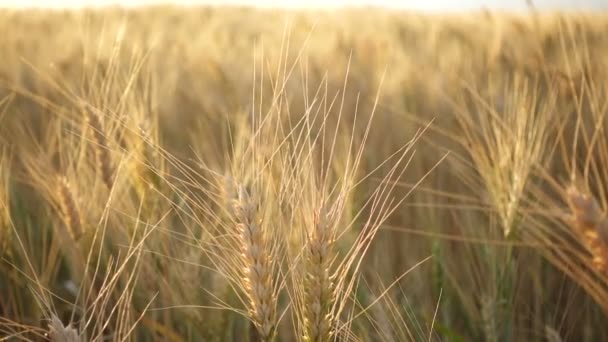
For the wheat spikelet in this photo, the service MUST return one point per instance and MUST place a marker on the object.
(68, 208)
(102, 156)
(591, 224)
(318, 284)
(60, 333)
(257, 272)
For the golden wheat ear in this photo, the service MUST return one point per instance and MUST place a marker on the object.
(318, 289)
(68, 207)
(258, 265)
(591, 224)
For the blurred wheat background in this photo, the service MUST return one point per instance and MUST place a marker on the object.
(210, 174)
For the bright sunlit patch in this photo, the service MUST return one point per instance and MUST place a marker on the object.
(430, 5)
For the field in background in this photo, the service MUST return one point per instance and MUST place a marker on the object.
(160, 168)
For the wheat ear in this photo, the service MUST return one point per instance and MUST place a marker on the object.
(257, 271)
(318, 284)
(68, 208)
(591, 223)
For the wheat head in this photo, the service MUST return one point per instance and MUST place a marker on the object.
(318, 284)
(258, 272)
(591, 223)
(68, 207)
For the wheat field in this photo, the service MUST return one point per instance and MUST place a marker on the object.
(232, 174)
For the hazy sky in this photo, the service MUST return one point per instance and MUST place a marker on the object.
(407, 4)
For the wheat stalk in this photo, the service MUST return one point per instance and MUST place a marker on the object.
(102, 155)
(6, 233)
(5, 223)
(258, 266)
(489, 314)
